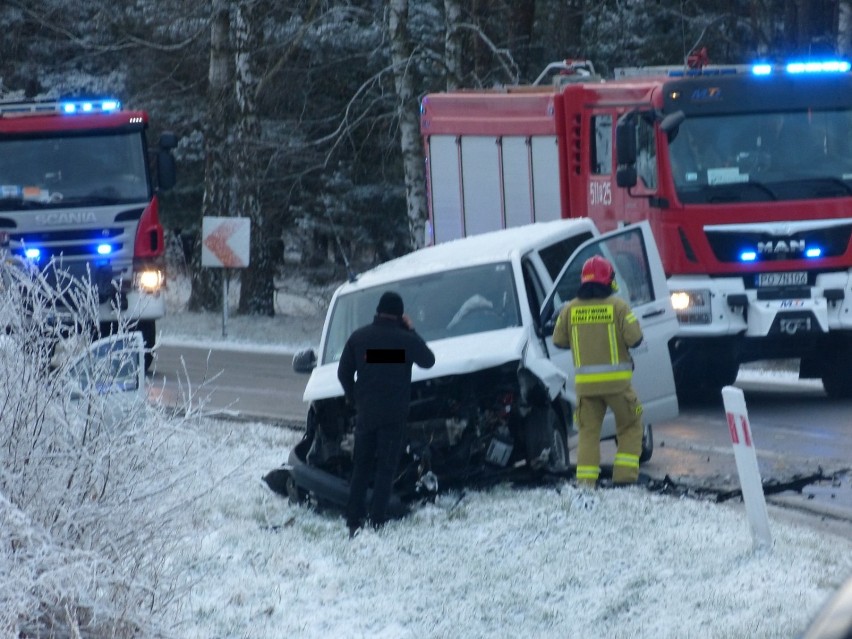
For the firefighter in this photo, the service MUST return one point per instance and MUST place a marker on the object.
(599, 328)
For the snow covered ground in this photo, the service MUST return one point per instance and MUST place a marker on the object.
(543, 562)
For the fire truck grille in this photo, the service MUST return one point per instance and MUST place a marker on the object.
(730, 247)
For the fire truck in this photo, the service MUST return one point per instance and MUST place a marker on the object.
(78, 195)
(744, 173)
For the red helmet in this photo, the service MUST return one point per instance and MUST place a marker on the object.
(597, 269)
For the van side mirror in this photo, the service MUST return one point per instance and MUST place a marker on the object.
(304, 361)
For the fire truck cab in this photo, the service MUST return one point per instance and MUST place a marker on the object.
(743, 172)
(78, 195)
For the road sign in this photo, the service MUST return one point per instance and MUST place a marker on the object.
(745, 455)
(225, 241)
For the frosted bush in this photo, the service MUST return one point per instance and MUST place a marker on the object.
(88, 502)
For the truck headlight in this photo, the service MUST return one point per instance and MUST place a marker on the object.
(149, 280)
(692, 307)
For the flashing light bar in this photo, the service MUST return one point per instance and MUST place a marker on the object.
(90, 106)
(825, 66)
(69, 107)
(748, 256)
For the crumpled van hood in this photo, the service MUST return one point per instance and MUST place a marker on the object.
(453, 356)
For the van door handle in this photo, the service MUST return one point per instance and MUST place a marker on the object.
(659, 311)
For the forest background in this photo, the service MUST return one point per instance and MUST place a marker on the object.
(303, 115)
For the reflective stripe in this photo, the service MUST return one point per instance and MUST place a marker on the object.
(604, 368)
(588, 472)
(630, 317)
(575, 342)
(626, 460)
(613, 344)
(603, 377)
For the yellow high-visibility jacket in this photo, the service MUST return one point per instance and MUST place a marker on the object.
(599, 332)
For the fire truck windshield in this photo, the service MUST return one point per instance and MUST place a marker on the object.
(785, 155)
(65, 171)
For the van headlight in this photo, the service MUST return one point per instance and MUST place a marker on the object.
(149, 280)
(692, 307)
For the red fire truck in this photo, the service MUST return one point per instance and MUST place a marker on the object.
(76, 189)
(744, 173)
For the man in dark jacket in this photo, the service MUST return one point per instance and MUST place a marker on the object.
(375, 372)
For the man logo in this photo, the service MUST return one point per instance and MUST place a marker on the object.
(781, 247)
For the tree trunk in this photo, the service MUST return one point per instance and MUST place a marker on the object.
(206, 284)
(257, 288)
(408, 109)
(453, 44)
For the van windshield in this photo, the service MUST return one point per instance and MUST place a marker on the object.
(441, 305)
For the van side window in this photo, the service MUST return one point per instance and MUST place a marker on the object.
(555, 255)
(601, 141)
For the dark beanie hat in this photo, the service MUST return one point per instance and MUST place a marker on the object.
(390, 304)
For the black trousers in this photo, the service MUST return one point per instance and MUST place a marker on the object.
(376, 455)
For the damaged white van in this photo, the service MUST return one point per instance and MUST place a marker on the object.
(500, 397)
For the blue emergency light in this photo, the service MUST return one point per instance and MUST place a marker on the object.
(824, 66)
(90, 106)
(32, 253)
(749, 255)
(104, 249)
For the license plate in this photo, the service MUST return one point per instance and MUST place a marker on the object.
(795, 278)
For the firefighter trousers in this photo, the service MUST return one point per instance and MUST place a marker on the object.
(628, 430)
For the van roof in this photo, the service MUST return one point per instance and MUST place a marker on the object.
(485, 248)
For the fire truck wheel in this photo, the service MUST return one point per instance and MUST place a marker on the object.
(837, 381)
(698, 379)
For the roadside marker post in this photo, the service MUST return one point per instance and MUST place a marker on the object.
(746, 458)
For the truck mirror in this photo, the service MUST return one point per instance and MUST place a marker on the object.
(625, 140)
(304, 361)
(166, 170)
(625, 176)
(671, 124)
(168, 140)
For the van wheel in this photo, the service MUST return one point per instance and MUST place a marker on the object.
(546, 443)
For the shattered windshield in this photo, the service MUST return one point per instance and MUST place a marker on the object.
(441, 305)
(72, 171)
(789, 155)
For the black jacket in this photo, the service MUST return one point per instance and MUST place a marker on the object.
(382, 354)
